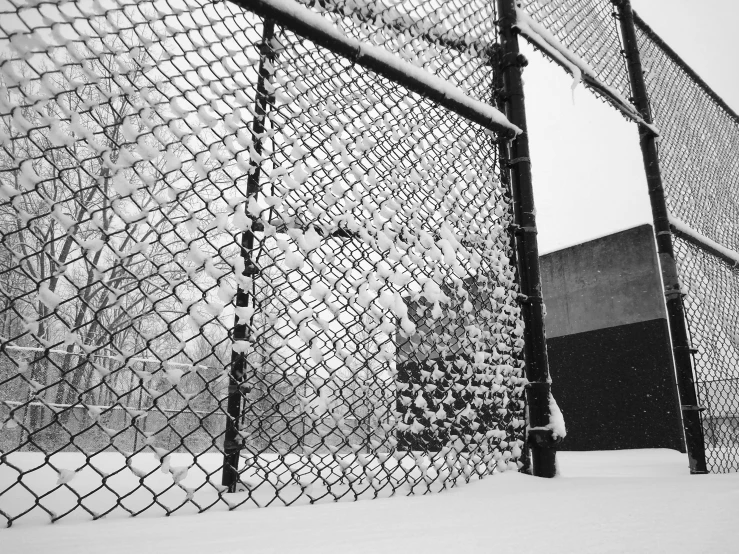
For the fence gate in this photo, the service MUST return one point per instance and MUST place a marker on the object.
(253, 254)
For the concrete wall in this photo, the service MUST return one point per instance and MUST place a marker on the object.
(608, 344)
(617, 274)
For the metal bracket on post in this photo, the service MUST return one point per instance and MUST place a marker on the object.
(515, 160)
(675, 310)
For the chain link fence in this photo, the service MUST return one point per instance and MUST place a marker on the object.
(712, 305)
(589, 30)
(698, 142)
(238, 268)
(698, 158)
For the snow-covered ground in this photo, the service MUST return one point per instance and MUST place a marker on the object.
(111, 485)
(624, 501)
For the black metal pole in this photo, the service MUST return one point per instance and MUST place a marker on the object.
(516, 157)
(675, 309)
(231, 443)
(504, 157)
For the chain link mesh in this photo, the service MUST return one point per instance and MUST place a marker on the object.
(227, 250)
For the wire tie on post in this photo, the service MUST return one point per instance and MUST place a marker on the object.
(544, 437)
(688, 348)
(514, 161)
(526, 299)
(508, 60)
(519, 230)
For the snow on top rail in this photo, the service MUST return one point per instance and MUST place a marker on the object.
(580, 70)
(683, 230)
(318, 29)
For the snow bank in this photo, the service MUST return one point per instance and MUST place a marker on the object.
(641, 501)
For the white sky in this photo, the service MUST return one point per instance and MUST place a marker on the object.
(587, 167)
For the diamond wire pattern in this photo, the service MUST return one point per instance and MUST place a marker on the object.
(382, 352)
(700, 170)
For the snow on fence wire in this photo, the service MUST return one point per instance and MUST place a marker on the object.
(581, 36)
(236, 259)
(698, 141)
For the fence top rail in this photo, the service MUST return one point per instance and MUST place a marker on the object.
(647, 30)
(684, 231)
(318, 29)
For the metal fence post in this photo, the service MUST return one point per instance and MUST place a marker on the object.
(516, 157)
(232, 444)
(682, 350)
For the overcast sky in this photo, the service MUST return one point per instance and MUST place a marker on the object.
(587, 167)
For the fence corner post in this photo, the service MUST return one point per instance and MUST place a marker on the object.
(673, 297)
(515, 156)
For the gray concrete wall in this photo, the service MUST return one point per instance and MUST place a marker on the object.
(608, 344)
(603, 283)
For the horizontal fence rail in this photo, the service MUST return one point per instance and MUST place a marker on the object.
(251, 257)
(377, 59)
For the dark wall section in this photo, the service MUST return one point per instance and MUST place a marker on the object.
(608, 343)
(615, 388)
